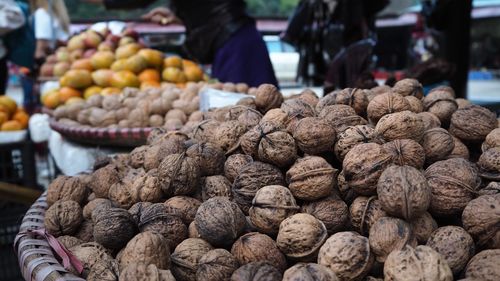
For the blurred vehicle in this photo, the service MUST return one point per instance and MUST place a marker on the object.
(285, 59)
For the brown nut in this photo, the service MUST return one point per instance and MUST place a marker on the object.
(332, 211)
(347, 254)
(214, 186)
(409, 87)
(186, 256)
(63, 218)
(113, 228)
(216, 265)
(406, 152)
(268, 97)
(480, 218)
(400, 125)
(309, 271)
(311, 178)
(441, 102)
(390, 234)
(156, 218)
(142, 272)
(364, 212)
(352, 136)
(183, 206)
(473, 123)
(209, 157)
(234, 163)
(180, 174)
(423, 227)
(147, 247)
(386, 103)
(67, 188)
(314, 135)
(484, 266)
(254, 246)
(256, 271)
(489, 164)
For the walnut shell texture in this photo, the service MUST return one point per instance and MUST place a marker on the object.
(347, 254)
(216, 265)
(102, 179)
(67, 188)
(441, 102)
(420, 263)
(185, 207)
(114, 228)
(186, 256)
(403, 192)
(332, 211)
(180, 174)
(309, 271)
(254, 246)
(386, 103)
(409, 87)
(142, 272)
(430, 120)
(63, 218)
(161, 219)
(219, 221)
(406, 152)
(214, 186)
(300, 237)
(453, 183)
(438, 144)
(352, 136)
(233, 165)
(147, 247)
(473, 123)
(389, 234)
(209, 157)
(489, 164)
(268, 97)
(314, 135)
(484, 266)
(423, 227)
(364, 212)
(91, 205)
(311, 178)
(491, 140)
(270, 206)
(400, 125)
(91, 254)
(480, 219)
(454, 244)
(256, 271)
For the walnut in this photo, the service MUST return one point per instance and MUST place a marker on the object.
(216, 265)
(415, 104)
(352, 136)
(347, 254)
(248, 102)
(314, 135)
(147, 187)
(254, 246)
(377, 91)
(420, 263)
(300, 237)
(296, 109)
(270, 206)
(113, 228)
(157, 218)
(209, 157)
(186, 256)
(492, 140)
(462, 102)
(104, 272)
(389, 234)
(176, 114)
(364, 212)
(441, 102)
(311, 178)
(328, 100)
(403, 192)
(341, 117)
(161, 149)
(67, 188)
(309, 96)
(214, 186)
(438, 144)
(103, 178)
(454, 244)
(268, 97)
(185, 207)
(430, 120)
(363, 165)
(142, 272)
(63, 218)
(332, 211)
(91, 254)
(86, 231)
(480, 218)
(489, 164)
(453, 183)
(233, 165)
(249, 117)
(121, 195)
(386, 103)
(473, 123)
(491, 189)
(423, 226)
(409, 87)
(180, 174)
(343, 189)
(251, 178)
(400, 125)
(138, 118)
(309, 271)
(219, 221)
(69, 241)
(277, 117)
(256, 271)
(136, 157)
(147, 247)
(406, 152)
(484, 266)
(227, 134)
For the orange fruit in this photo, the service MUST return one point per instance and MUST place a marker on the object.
(149, 75)
(76, 78)
(65, 93)
(150, 84)
(102, 59)
(23, 119)
(193, 73)
(119, 64)
(174, 75)
(110, 91)
(9, 103)
(12, 125)
(127, 50)
(84, 64)
(90, 91)
(136, 64)
(172, 61)
(188, 63)
(154, 58)
(5, 110)
(51, 100)
(3, 117)
(124, 78)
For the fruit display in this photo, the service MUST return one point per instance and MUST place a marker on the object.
(12, 117)
(102, 63)
(169, 107)
(245, 194)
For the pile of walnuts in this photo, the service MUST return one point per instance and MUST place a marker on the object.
(358, 185)
(169, 107)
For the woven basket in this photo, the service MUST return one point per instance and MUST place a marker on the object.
(36, 259)
(129, 137)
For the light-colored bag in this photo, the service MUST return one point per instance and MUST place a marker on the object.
(11, 16)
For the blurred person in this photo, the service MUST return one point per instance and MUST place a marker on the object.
(11, 18)
(218, 32)
(51, 26)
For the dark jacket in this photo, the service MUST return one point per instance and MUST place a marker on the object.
(209, 23)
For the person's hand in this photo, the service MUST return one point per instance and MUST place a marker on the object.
(161, 15)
